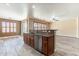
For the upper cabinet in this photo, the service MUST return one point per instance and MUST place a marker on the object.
(38, 24)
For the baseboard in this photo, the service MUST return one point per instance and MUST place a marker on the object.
(68, 36)
(6, 37)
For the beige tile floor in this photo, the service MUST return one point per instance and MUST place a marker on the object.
(14, 46)
(67, 46)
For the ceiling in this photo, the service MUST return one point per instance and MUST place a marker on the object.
(20, 11)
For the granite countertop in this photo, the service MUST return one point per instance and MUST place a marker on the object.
(43, 33)
(39, 34)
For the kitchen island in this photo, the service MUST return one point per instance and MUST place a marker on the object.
(43, 41)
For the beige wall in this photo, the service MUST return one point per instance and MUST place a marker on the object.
(66, 27)
(24, 26)
(78, 27)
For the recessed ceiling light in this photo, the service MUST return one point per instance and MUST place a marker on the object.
(53, 16)
(33, 6)
(7, 4)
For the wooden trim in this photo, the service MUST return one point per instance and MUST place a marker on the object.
(18, 27)
(39, 20)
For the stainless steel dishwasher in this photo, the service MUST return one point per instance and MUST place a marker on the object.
(38, 42)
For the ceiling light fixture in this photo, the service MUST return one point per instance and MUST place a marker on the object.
(33, 6)
(55, 18)
(7, 4)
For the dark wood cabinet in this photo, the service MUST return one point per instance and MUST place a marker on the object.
(44, 45)
(43, 42)
(29, 39)
(47, 45)
(26, 39)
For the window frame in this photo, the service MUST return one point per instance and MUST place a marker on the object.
(10, 27)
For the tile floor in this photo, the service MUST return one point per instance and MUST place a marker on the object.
(14, 46)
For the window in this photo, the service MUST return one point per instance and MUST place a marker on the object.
(39, 26)
(35, 26)
(3, 29)
(14, 27)
(3, 26)
(44, 27)
(8, 27)
(11, 27)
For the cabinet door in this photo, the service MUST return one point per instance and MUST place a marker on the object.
(32, 41)
(28, 40)
(44, 45)
(50, 45)
(25, 38)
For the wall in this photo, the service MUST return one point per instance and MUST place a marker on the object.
(24, 26)
(78, 26)
(66, 27)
